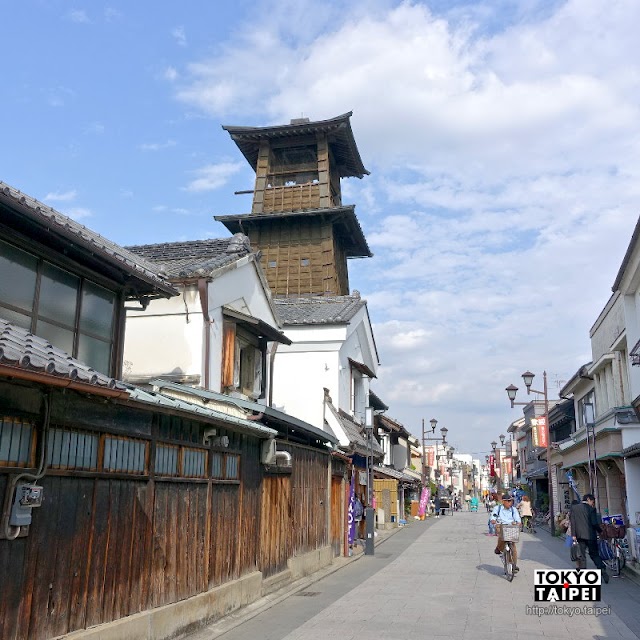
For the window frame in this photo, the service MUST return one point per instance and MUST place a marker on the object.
(34, 316)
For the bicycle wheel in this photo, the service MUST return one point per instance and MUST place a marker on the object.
(508, 562)
(622, 559)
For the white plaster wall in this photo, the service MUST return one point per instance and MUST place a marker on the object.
(299, 380)
(608, 328)
(161, 340)
(165, 338)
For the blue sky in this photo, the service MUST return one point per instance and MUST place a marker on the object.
(503, 141)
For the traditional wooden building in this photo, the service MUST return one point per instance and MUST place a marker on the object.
(297, 219)
(151, 510)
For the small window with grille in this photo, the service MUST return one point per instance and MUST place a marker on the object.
(16, 442)
(70, 449)
(125, 455)
(225, 466)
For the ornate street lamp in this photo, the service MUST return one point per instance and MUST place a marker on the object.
(511, 390)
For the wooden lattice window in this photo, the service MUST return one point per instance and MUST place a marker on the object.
(125, 455)
(70, 449)
(16, 442)
(180, 462)
(225, 466)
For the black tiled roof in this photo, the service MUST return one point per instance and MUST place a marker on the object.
(57, 224)
(318, 309)
(196, 257)
(23, 350)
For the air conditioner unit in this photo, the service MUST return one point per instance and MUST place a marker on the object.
(268, 453)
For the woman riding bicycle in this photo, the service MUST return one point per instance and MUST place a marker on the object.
(505, 513)
(524, 509)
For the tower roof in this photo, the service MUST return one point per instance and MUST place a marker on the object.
(338, 130)
(343, 218)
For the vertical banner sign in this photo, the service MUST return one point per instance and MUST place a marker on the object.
(542, 435)
(507, 466)
(430, 455)
(492, 466)
(535, 438)
(352, 503)
(424, 500)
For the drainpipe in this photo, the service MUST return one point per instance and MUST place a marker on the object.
(272, 358)
(203, 291)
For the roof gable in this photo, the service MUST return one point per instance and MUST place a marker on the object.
(194, 258)
(38, 221)
(318, 310)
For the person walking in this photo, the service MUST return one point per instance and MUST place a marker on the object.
(584, 523)
(436, 504)
(524, 508)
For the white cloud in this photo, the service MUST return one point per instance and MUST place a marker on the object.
(79, 16)
(505, 182)
(157, 146)
(212, 176)
(78, 213)
(179, 36)
(112, 15)
(64, 196)
(171, 74)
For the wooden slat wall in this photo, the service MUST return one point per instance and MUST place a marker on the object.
(286, 243)
(291, 198)
(337, 514)
(101, 547)
(309, 497)
(275, 530)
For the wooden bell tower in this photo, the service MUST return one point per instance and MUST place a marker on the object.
(297, 218)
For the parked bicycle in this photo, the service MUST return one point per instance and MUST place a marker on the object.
(527, 524)
(613, 555)
(510, 533)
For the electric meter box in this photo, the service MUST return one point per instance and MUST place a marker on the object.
(27, 497)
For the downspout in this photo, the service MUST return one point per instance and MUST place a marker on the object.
(203, 291)
(272, 358)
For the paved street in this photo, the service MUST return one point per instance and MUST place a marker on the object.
(434, 579)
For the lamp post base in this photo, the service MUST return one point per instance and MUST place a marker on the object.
(369, 529)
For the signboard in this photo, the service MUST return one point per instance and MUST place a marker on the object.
(507, 466)
(430, 457)
(492, 466)
(534, 432)
(542, 432)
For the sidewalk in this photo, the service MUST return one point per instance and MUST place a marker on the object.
(440, 580)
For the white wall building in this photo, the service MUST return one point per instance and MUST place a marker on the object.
(219, 334)
(332, 348)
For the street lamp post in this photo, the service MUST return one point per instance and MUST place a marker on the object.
(369, 512)
(511, 390)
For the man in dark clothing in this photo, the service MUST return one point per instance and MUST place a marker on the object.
(584, 528)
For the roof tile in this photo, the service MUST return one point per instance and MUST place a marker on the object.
(318, 309)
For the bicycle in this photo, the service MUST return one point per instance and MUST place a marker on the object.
(510, 533)
(527, 524)
(616, 557)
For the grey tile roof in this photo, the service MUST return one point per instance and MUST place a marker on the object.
(58, 224)
(318, 309)
(358, 443)
(23, 350)
(231, 422)
(196, 257)
(278, 417)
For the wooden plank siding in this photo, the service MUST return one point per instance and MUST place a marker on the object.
(337, 514)
(299, 256)
(108, 545)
